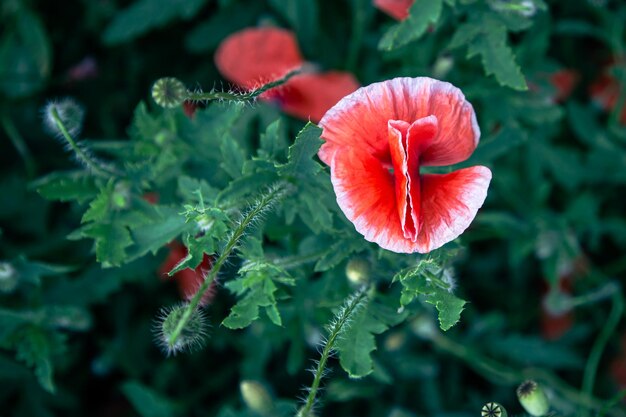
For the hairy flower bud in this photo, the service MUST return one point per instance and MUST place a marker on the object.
(256, 397)
(493, 410)
(169, 92)
(191, 336)
(532, 398)
(66, 112)
(8, 277)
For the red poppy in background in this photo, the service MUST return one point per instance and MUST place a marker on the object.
(563, 81)
(379, 137)
(605, 92)
(618, 365)
(555, 324)
(188, 280)
(398, 9)
(256, 56)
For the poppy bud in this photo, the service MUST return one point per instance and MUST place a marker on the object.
(169, 92)
(190, 337)
(8, 277)
(256, 397)
(358, 271)
(532, 398)
(493, 410)
(65, 112)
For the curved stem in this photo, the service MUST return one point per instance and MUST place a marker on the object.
(334, 331)
(80, 153)
(225, 95)
(264, 202)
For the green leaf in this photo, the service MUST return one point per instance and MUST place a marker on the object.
(256, 289)
(99, 207)
(432, 282)
(465, 33)
(273, 141)
(497, 57)
(35, 347)
(339, 251)
(303, 17)
(144, 15)
(300, 163)
(147, 402)
(357, 341)
(67, 186)
(32, 271)
(422, 14)
(111, 242)
(232, 156)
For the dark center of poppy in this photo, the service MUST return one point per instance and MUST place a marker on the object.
(406, 142)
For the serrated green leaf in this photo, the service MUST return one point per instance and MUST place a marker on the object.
(497, 57)
(337, 252)
(111, 240)
(232, 157)
(300, 164)
(273, 141)
(144, 15)
(67, 186)
(146, 401)
(422, 14)
(99, 207)
(33, 346)
(464, 34)
(357, 341)
(150, 237)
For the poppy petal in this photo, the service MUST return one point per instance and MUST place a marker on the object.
(309, 96)
(449, 204)
(256, 56)
(398, 9)
(366, 194)
(360, 119)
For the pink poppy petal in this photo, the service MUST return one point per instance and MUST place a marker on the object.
(360, 119)
(255, 56)
(449, 204)
(398, 9)
(366, 194)
(309, 96)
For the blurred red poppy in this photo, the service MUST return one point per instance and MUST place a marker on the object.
(605, 92)
(398, 9)
(256, 56)
(564, 81)
(379, 137)
(188, 280)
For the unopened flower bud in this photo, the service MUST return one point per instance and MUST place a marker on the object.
(191, 336)
(358, 271)
(121, 194)
(8, 277)
(256, 397)
(442, 67)
(493, 410)
(169, 92)
(532, 398)
(66, 112)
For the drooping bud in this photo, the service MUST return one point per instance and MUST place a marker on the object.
(358, 271)
(8, 277)
(172, 338)
(493, 410)
(169, 92)
(66, 112)
(532, 398)
(256, 397)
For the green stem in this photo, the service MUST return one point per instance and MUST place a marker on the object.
(334, 331)
(591, 367)
(20, 145)
(502, 374)
(81, 154)
(598, 295)
(225, 95)
(264, 202)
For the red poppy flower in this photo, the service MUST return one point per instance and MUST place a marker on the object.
(398, 9)
(555, 324)
(188, 280)
(379, 137)
(256, 56)
(605, 92)
(564, 82)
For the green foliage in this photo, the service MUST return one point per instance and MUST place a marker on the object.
(422, 14)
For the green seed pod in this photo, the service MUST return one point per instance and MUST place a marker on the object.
(256, 397)
(190, 337)
(358, 271)
(8, 277)
(532, 398)
(493, 410)
(169, 92)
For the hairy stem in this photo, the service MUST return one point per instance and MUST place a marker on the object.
(335, 329)
(96, 167)
(250, 95)
(261, 205)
